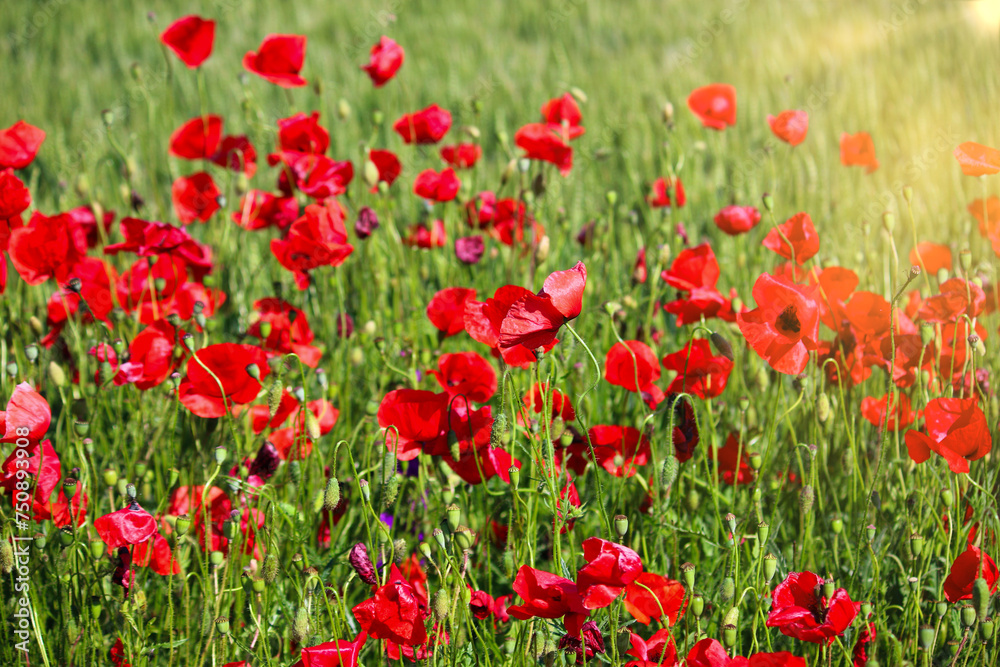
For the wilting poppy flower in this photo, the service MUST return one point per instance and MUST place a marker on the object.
(388, 165)
(651, 596)
(208, 396)
(236, 153)
(699, 372)
(931, 257)
(800, 610)
(289, 331)
(969, 566)
(469, 249)
(462, 156)
(564, 113)
(426, 126)
(45, 248)
(259, 210)
(446, 310)
(956, 429)
(784, 327)
(394, 612)
(336, 653)
(195, 197)
(318, 238)
(657, 651)
(436, 186)
(279, 60)
(586, 643)
(790, 126)
(619, 449)
(874, 410)
(386, 59)
(735, 220)
(362, 564)
(977, 160)
(19, 145)
(125, 527)
(423, 236)
(800, 232)
(541, 142)
(610, 567)
(545, 595)
(733, 461)
(858, 150)
(630, 361)
(667, 193)
(198, 138)
(714, 105)
(534, 319)
(191, 38)
(466, 374)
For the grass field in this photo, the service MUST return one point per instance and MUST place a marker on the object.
(918, 75)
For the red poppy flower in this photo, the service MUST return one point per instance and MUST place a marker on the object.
(426, 126)
(931, 257)
(293, 442)
(858, 150)
(657, 651)
(423, 236)
(874, 410)
(649, 596)
(714, 105)
(790, 126)
(191, 38)
(784, 327)
(483, 319)
(195, 197)
(336, 653)
(977, 160)
(736, 220)
(149, 239)
(667, 193)
(859, 654)
(278, 60)
(466, 374)
(534, 319)
(462, 156)
(197, 139)
(545, 595)
(733, 461)
(446, 311)
(481, 210)
(117, 654)
(19, 145)
(125, 527)
(394, 612)
(510, 219)
(693, 268)
(236, 153)
(14, 196)
(42, 463)
(45, 248)
(800, 610)
(625, 362)
(481, 462)
(969, 566)
(155, 554)
(564, 113)
(800, 232)
(152, 354)
(317, 176)
(386, 59)
(418, 417)
(619, 449)
(699, 372)
(987, 213)
(388, 165)
(259, 210)
(436, 186)
(301, 133)
(955, 297)
(710, 653)
(289, 331)
(560, 405)
(956, 429)
(541, 142)
(610, 567)
(318, 238)
(481, 604)
(26, 409)
(208, 396)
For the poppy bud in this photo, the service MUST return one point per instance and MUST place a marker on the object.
(763, 530)
(454, 515)
(697, 606)
(669, 471)
(11, 368)
(366, 492)
(81, 428)
(942, 275)
(56, 374)
(425, 550)
(968, 615)
(916, 545)
(399, 550)
(986, 629)
(274, 396)
(806, 498)
(693, 499)
(542, 250)
(941, 608)
(668, 113)
(253, 371)
(688, 570)
(331, 495)
(770, 566)
(343, 109)
(965, 259)
(870, 532)
(768, 201)
(440, 605)
(391, 491)
(621, 524)
(823, 411)
(270, 567)
(837, 525)
(888, 222)
(312, 425)
(722, 345)
(216, 558)
(31, 352)
(981, 597)
(729, 635)
(371, 174)
(664, 254)
(377, 117)
(300, 626)
(727, 590)
(761, 380)
(926, 637)
(7, 557)
(107, 117)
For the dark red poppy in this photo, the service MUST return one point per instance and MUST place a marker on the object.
(394, 612)
(466, 374)
(714, 105)
(800, 610)
(970, 565)
(874, 410)
(278, 60)
(867, 636)
(784, 327)
(667, 192)
(481, 604)
(533, 320)
(586, 643)
(619, 449)
(649, 596)
(125, 527)
(386, 59)
(426, 126)
(235, 152)
(388, 165)
(462, 156)
(956, 430)
(446, 310)
(736, 220)
(436, 186)
(422, 235)
(545, 595)
(19, 145)
(790, 126)
(931, 257)
(198, 138)
(259, 210)
(858, 150)
(800, 233)
(610, 567)
(301, 133)
(208, 396)
(336, 653)
(195, 197)
(541, 141)
(288, 330)
(564, 113)
(318, 238)
(699, 372)
(733, 461)
(702, 302)
(657, 651)
(191, 38)
(45, 248)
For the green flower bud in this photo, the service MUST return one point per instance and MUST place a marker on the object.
(391, 491)
(300, 626)
(768, 201)
(7, 556)
(331, 495)
(806, 498)
(981, 597)
(220, 454)
(722, 345)
(669, 471)
(56, 374)
(837, 525)
(270, 567)
(440, 605)
(756, 461)
(866, 609)
(888, 222)
(727, 591)
(693, 499)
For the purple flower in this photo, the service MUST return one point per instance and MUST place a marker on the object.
(367, 222)
(469, 249)
(362, 564)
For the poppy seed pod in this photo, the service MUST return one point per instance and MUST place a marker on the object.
(829, 587)
(763, 530)
(968, 615)
(515, 477)
(11, 368)
(986, 629)
(69, 487)
(366, 492)
(730, 519)
(465, 538)
(916, 545)
(216, 558)
(182, 525)
(888, 222)
(729, 635)
(222, 625)
(756, 460)
(965, 259)
(981, 597)
(837, 525)
(621, 524)
(454, 515)
(941, 608)
(947, 498)
(439, 537)
(688, 570)
(926, 637)
(770, 566)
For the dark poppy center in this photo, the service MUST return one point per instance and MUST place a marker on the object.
(788, 321)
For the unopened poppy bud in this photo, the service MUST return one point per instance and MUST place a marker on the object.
(968, 615)
(763, 531)
(727, 590)
(439, 537)
(391, 491)
(986, 629)
(768, 201)
(806, 498)
(371, 174)
(454, 515)
(270, 569)
(823, 410)
(253, 371)
(274, 394)
(926, 637)
(942, 275)
(908, 193)
(888, 222)
(300, 626)
(621, 524)
(377, 117)
(56, 374)
(331, 495)
(668, 113)
(664, 254)
(440, 605)
(730, 519)
(464, 537)
(770, 566)
(981, 597)
(7, 557)
(107, 117)
(729, 635)
(399, 550)
(965, 259)
(216, 558)
(756, 460)
(343, 109)
(698, 606)
(722, 345)
(612, 197)
(837, 525)
(870, 532)
(669, 471)
(542, 250)
(312, 425)
(916, 544)
(688, 570)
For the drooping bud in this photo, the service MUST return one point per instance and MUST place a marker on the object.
(722, 345)
(300, 627)
(768, 201)
(390, 491)
(823, 411)
(669, 471)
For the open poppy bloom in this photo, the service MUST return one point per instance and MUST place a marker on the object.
(610, 567)
(318, 238)
(446, 311)
(875, 409)
(699, 372)
(564, 113)
(790, 126)
(657, 651)
(800, 233)
(956, 430)
(422, 235)
(191, 38)
(466, 374)
(208, 396)
(667, 192)
(419, 417)
(545, 595)
(288, 330)
(858, 150)
(336, 653)
(544, 142)
(977, 159)
(301, 133)
(439, 187)
(784, 327)
(619, 449)
(45, 248)
(733, 461)
(735, 220)
(462, 156)
(650, 596)
(19, 145)
(317, 176)
(534, 319)
(964, 572)
(631, 362)
(386, 59)
(44, 467)
(710, 653)
(198, 138)
(278, 60)
(956, 297)
(931, 257)
(394, 613)
(195, 197)
(235, 152)
(714, 105)
(125, 527)
(426, 126)
(800, 610)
